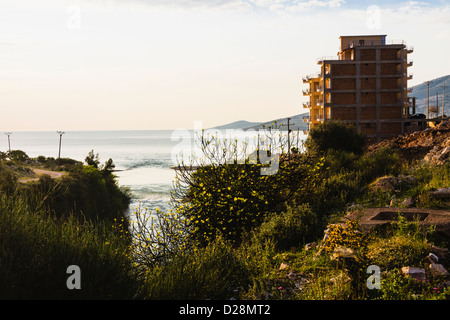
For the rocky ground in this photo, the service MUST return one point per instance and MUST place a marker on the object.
(431, 145)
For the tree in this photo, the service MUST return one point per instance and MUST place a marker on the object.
(92, 160)
(109, 166)
(334, 135)
(17, 155)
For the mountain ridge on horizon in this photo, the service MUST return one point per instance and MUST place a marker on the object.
(295, 123)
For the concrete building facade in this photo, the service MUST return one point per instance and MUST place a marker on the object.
(365, 85)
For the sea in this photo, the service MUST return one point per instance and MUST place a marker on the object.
(144, 159)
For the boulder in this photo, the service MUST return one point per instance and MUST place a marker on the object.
(394, 202)
(443, 254)
(433, 258)
(442, 193)
(438, 269)
(415, 273)
(344, 252)
(391, 183)
(408, 202)
(310, 245)
(284, 266)
(384, 184)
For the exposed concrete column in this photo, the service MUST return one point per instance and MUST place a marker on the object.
(378, 93)
(404, 95)
(357, 57)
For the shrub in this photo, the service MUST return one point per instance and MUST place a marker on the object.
(381, 163)
(233, 199)
(211, 272)
(347, 235)
(8, 180)
(17, 155)
(157, 237)
(86, 193)
(292, 228)
(334, 135)
(396, 286)
(402, 244)
(36, 249)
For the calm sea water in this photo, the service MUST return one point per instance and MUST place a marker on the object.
(143, 158)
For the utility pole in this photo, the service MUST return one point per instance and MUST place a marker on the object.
(60, 138)
(289, 139)
(437, 104)
(428, 99)
(443, 100)
(9, 142)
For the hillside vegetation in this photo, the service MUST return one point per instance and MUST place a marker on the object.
(238, 233)
(47, 225)
(237, 230)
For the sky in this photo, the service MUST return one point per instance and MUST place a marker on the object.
(166, 64)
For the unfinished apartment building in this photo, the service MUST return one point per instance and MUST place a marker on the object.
(364, 85)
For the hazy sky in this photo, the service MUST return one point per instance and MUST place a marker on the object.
(144, 64)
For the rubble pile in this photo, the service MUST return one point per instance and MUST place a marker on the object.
(431, 145)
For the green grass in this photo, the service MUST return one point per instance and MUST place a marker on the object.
(38, 243)
(36, 250)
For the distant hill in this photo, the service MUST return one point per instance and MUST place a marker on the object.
(237, 125)
(420, 92)
(296, 123)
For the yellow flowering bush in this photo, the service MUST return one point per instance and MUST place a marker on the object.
(232, 199)
(157, 236)
(346, 235)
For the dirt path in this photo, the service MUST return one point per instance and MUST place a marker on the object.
(40, 172)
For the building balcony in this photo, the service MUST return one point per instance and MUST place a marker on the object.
(365, 43)
(410, 76)
(306, 92)
(319, 89)
(306, 119)
(409, 49)
(409, 64)
(308, 77)
(322, 59)
(307, 104)
(318, 118)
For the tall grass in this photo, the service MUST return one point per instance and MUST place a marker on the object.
(36, 249)
(211, 272)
